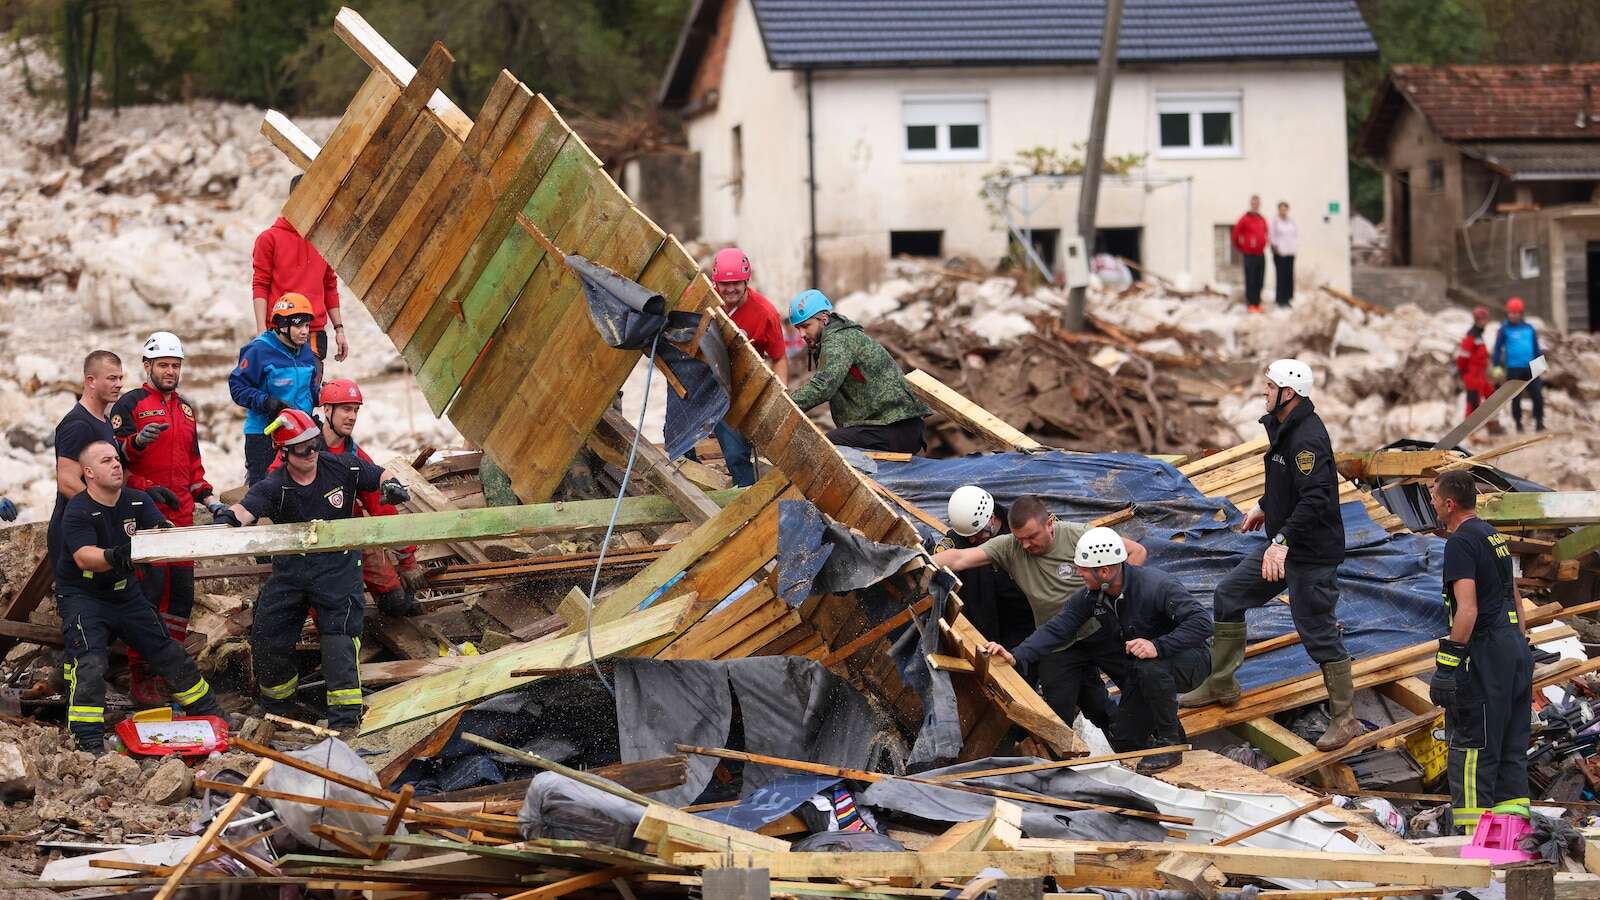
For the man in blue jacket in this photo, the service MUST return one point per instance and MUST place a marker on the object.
(1515, 349)
(276, 371)
(1153, 645)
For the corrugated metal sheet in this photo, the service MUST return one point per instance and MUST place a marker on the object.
(896, 33)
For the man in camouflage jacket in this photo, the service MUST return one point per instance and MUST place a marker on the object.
(871, 404)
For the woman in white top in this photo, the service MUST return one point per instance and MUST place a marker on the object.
(1285, 239)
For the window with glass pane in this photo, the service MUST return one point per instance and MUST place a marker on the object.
(922, 137)
(1198, 125)
(1216, 129)
(944, 127)
(964, 137)
(1175, 129)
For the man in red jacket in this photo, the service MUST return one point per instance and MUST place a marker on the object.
(1472, 361)
(758, 319)
(1250, 239)
(392, 580)
(284, 262)
(155, 427)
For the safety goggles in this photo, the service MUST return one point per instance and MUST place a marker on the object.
(304, 450)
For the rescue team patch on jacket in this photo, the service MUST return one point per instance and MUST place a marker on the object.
(335, 498)
(116, 421)
(188, 412)
(1306, 461)
(147, 413)
(130, 526)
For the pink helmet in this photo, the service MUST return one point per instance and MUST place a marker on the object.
(730, 264)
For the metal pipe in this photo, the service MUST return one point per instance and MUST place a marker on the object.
(811, 182)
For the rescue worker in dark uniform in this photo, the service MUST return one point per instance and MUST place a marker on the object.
(991, 600)
(1484, 673)
(1037, 555)
(100, 599)
(156, 429)
(313, 484)
(1305, 532)
(392, 577)
(1158, 638)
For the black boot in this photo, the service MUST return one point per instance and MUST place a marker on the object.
(1160, 762)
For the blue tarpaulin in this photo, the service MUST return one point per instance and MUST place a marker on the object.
(1389, 585)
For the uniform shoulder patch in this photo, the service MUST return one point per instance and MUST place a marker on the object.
(1306, 461)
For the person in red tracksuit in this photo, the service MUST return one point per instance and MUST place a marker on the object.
(1250, 239)
(392, 580)
(155, 427)
(284, 262)
(1472, 361)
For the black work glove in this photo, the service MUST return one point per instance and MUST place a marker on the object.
(398, 602)
(148, 434)
(223, 514)
(392, 491)
(275, 406)
(163, 496)
(8, 510)
(165, 523)
(1452, 656)
(119, 558)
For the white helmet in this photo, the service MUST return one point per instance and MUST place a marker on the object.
(969, 510)
(163, 344)
(1292, 374)
(1100, 547)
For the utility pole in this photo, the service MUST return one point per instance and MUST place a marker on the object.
(1094, 157)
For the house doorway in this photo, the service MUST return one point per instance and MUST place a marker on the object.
(1400, 222)
(1123, 242)
(1593, 248)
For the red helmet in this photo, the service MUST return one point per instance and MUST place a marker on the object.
(730, 264)
(1480, 314)
(1515, 305)
(292, 427)
(339, 391)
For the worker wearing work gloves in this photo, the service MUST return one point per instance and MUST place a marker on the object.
(100, 599)
(156, 429)
(1472, 361)
(1484, 674)
(758, 319)
(1305, 546)
(276, 371)
(1515, 349)
(392, 577)
(1154, 643)
(1038, 554)
(990, 599)
(872, 406)
(313, 484)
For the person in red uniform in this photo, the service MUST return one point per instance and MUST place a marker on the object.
(392, 578)
(1472, 361)
(156, 432)
(1250, 239)
(758, 319)
(284, 262)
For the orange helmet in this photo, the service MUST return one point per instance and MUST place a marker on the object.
(339, 391)
(1514, 305)
(292, 427)
(290, 305)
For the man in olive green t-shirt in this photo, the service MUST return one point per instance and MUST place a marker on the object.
(1037, 554)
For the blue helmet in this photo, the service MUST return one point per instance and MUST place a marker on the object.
(807, 304)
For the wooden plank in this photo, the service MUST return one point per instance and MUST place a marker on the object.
(939, 866)
(1579, 543)
(1057, 764)
(1274, 822)
(1411, 693)
(360, 119)
(617, 432)
(478, 677)
(991, 429)
(355, 235)
(1012, 692)
(211, 541)
(1311, 762)
(396, 218)
(212, 832)
(1304, 864)
(1393, 463)
(1284, 745)
(294, 144)
(1545, 508)
(1490, 407)
(576, 883)
(385, 59)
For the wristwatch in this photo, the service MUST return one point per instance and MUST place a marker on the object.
(1280, 540)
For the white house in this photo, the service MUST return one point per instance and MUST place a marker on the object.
(832, 134)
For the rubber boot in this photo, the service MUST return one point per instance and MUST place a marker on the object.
(1227, 652)
(1343, 726)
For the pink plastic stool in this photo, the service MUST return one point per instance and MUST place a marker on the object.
(1496, 839)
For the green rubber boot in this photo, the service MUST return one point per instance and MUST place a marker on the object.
(1227, 652)
(1343, 726)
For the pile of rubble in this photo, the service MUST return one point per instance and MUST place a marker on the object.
(1185, 366)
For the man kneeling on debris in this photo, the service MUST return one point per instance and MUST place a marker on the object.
(867, 395)
(99, 598)
(1152, 642)
(313, 484)
(1484, 673)
(393, 577)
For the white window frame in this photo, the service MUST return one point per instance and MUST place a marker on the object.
(942, 111)
(1195, 103)
(1529, 256)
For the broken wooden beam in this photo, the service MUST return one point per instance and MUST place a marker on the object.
(1579, 543)
(211, 541)
(1490, 407)
(212, 832)
(1540, 508)
(1275, 821)
(969, 415)
(1393, 463)
(614, 438)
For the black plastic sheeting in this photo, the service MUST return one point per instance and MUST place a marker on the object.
(629, 316)
(1410, 501)
(1389, 584)
(939, 737)
(817, 555)
(790, 707)
(1039, 820)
